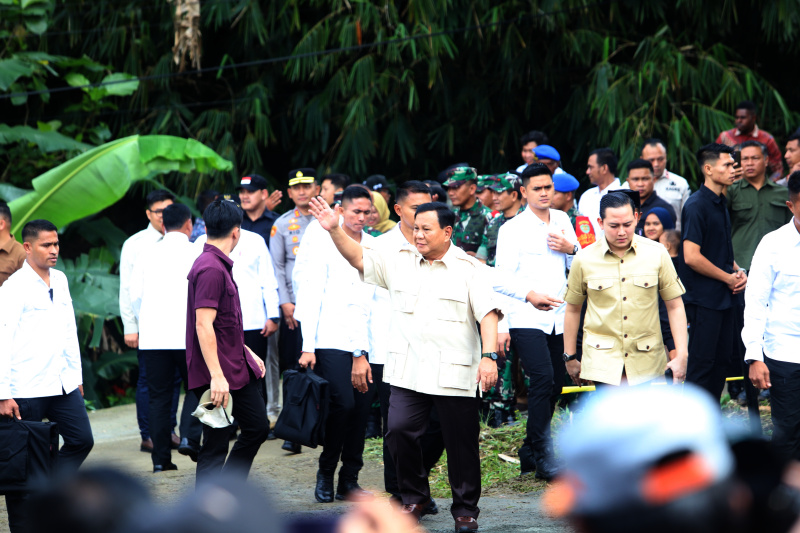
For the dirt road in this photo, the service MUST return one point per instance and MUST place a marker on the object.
(288, 478)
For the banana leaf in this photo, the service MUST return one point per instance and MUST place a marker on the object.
(96, 179)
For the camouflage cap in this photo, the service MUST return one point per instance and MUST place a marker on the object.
(504, 182)
(485, 181)
(460, 174)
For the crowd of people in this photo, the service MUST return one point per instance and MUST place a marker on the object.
(487, 285)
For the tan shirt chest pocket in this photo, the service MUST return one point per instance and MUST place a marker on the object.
(454, 370)
(603, 292)
(404, 299)
(451, 305)
(647, 344)
(645, 289)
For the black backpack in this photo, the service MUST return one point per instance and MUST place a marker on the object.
(305, 408)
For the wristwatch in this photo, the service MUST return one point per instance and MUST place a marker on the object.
(360, 353)
(575, 250)
(568, 358)
(491, 355)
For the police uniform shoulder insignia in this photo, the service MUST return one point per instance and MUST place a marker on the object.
(273, 231)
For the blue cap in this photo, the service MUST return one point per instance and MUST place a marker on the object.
(563, 182)
(545, 151)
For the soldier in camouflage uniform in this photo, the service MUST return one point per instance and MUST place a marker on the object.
(565, 186)
(484, 192)
(507, 201)
(472, 217)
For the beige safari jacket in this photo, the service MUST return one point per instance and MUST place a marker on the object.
(434, 343)
(622, 329)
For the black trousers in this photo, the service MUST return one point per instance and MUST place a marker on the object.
(711, 343)
(258, 343)
(542, 358)
(161, 368)
(785, 401)
(408, 420)
(69, 412)
(249, 412)
(347, 416)
(431, 442)
(290, 346)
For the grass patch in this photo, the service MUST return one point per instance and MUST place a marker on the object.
(497, 476)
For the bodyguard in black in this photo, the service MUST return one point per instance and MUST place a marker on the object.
(709, 272)
(257, 205)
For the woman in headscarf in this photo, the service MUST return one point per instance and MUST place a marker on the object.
(383, 224)
(656, 221)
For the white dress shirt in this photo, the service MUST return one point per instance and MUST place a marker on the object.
(332, 301)
(589, 204)
(306, 256)
(381, 317)
(131, 250)
(158, 291)
(522, 252)
(674, 190)
(772, 298)
(39, 353)
(254, 273)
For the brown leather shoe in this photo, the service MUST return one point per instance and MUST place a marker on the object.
(176, 441)
(414, 510)
(465, 524)
(146, 446)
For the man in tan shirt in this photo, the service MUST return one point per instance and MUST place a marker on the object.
(12, 254)
(437, 354)
(622, 275)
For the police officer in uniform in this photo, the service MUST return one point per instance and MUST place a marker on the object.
(285, 239)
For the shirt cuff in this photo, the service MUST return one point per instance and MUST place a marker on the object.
(130, 328)
(754, 353)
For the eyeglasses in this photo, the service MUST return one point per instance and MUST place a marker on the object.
(158, 212)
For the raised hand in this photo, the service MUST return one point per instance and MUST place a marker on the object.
(328, 218)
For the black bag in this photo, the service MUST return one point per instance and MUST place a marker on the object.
(305, 409)
(28, 453)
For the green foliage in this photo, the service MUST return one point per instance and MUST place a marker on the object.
(98, 178)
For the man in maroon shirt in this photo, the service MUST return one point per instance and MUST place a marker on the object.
(216, 356)
(747, 130)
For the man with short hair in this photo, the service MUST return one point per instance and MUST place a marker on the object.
(335, 306)
(439, 294)
(550, 157)
(333, 185)
(621, 277)
(710, 272)
(257, 204)
(771, 317)
(217, 358)
(529, 142)
(410, 195)
(601, 169)
(40, 360)
(792, 156)
(746, 129)
(564, 187)
(12, 253)
(537, 247)
(671, 187)
(641, 178)
(473, 217)
(132, 249)
(757, 205)
(158, 292)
